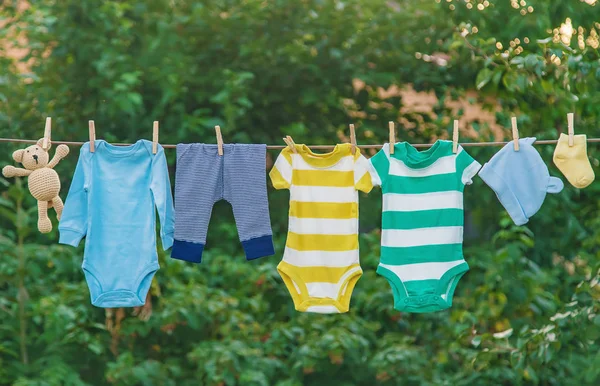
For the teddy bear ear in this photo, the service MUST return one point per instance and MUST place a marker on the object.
(18, 155)
(41, 141)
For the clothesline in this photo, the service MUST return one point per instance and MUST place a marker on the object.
(425, 215)
(279, 147)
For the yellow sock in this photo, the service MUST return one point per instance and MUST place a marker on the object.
(573, 161)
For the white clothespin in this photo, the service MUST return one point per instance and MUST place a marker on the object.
(571, 129)
(219, 139)
(515, 133)
(455, 137)
(92, 136)
(291, 144)
(47, 134)
(353, 138)
(392, 136)
(155, 137)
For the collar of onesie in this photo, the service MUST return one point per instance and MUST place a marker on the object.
(415, 159)
(324, 160)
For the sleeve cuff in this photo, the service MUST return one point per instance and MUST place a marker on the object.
(470, 172)
(375, 178)
(167, 241)
(69, 237)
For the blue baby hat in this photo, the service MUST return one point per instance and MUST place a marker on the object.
(520, 179)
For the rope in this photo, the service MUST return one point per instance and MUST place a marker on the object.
(280, 147)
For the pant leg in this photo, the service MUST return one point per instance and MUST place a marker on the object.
(198, 185)
(245, 187)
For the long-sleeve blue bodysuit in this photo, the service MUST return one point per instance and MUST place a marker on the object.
(112, 201)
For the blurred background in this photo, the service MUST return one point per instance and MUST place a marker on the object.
(527, 312)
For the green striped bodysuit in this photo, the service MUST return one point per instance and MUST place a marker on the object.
(422, 222)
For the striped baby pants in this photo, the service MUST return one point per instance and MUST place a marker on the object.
(202, 178)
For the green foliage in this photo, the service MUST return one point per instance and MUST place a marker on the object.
(526, 313)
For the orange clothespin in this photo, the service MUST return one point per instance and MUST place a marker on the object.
(47, 134)
(155, 137)
(571, 129)
(515, 133)
(392, 136)
(455, 137)
(219, 139)
(92, 136)
(353, 138)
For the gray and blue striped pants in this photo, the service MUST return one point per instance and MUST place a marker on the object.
(202, 178)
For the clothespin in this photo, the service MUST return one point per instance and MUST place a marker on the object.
(287, 143)
(92, 136)
(219, 139)
(47, 133)
(515, 133)
(290, 142)
(571, 129)
(455, 137)
(155, 137)
(392, 136)
(353, 138)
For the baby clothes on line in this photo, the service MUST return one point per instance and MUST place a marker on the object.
(204, 177)
(520, 179)
(573, 160)
(320, 265)
(422, 222)
(112, 202)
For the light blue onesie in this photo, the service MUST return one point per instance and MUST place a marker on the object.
(111, 201)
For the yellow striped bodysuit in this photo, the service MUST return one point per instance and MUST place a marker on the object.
(320, 264)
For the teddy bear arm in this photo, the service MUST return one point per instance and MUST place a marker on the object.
(61, 152)
(11, 171)
(54, 161)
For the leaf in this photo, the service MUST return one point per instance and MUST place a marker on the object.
(530, 375)
(483, 78)
(509, 80)
(503, 334)
(517, 60)
(531, 61)
(497, 77)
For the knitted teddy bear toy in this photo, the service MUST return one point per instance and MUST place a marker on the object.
(44, 183)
